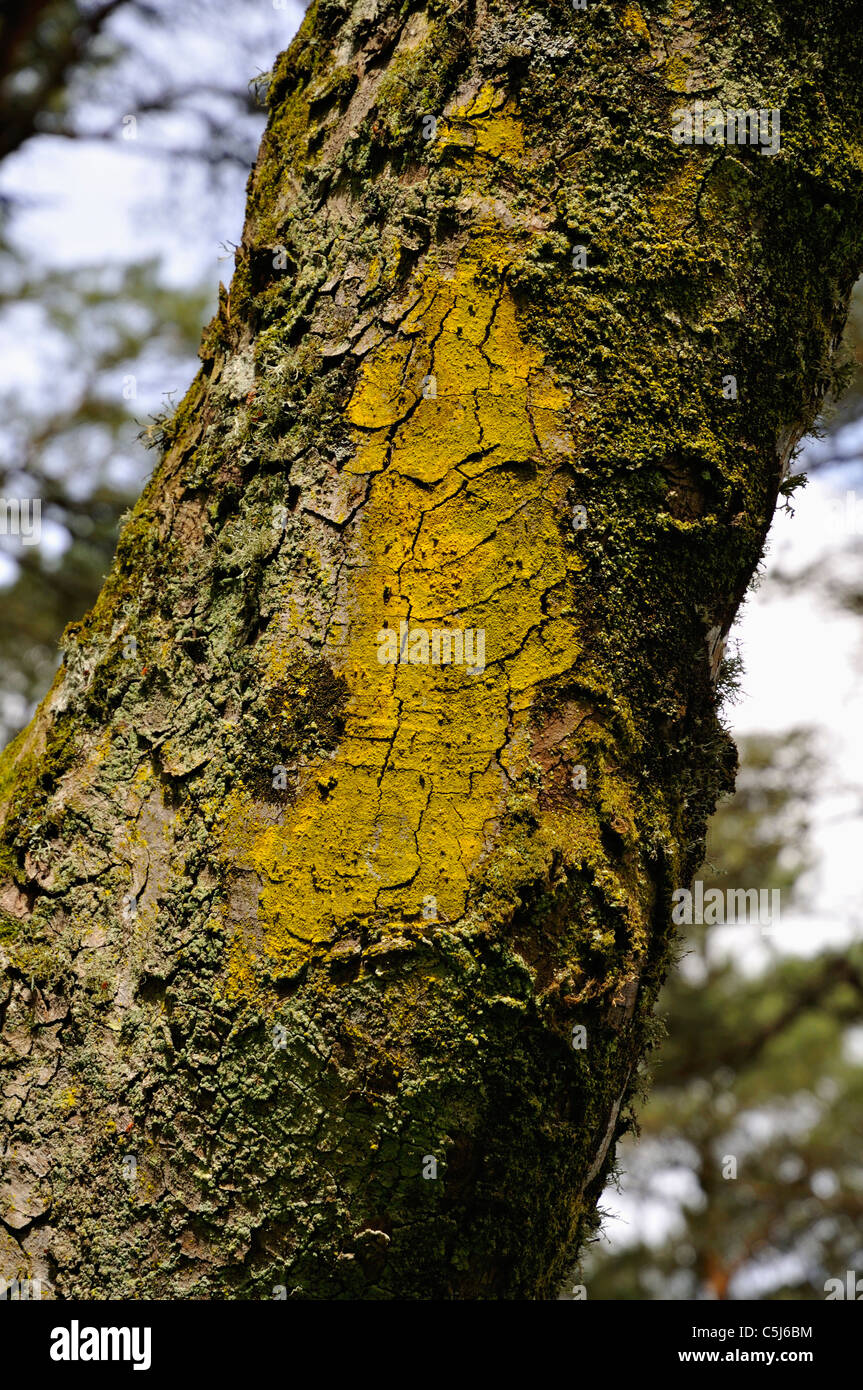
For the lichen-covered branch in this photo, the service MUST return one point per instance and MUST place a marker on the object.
(338, 860)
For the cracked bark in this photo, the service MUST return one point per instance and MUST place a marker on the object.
(281, 1000)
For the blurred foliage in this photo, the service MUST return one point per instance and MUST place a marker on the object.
(761, 1065)
(73, 71)
(74, 68)
(847, 410)
(42, 44)
(110, 328)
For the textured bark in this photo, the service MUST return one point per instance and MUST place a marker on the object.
(319, 989)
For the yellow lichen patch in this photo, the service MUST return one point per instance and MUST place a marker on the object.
(676, 73)
(376, 404)
(633, 20)
(241, 980)
(673, 207)
(488, 125)
(461, 431)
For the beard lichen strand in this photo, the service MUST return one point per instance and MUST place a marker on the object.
(462, 528)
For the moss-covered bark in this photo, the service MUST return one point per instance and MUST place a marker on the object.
(283, 924)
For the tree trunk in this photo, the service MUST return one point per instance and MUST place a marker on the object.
(329, 965)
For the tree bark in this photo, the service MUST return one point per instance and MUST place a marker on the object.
(331, 975)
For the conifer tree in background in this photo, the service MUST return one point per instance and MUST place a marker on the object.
(748, 1153)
